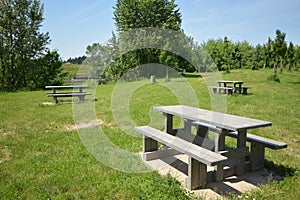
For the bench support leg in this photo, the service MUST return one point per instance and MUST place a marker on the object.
(55, 100)
(149, 144)
(257, 155)
(197, 174)
(219, 172)
(81, 98)
(214, 90)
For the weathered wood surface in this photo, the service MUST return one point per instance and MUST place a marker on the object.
(222, 90)
(66, 86)
(220, 120)
(272, 144)
(199, 157)
(201, 154)
(68, 94)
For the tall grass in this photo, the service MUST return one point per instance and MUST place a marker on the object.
(41, 158)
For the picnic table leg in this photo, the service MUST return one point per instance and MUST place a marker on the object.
(169, 124)
(202, 131)
(219, 146)
(55, 100)
(197, 174)
(240, 160)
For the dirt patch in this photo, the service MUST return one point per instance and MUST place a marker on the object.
(87, 125)
(5, 154)
(48, 104)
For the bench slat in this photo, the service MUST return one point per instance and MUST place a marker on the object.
(70, 94)
(272, 144)
(203, 155)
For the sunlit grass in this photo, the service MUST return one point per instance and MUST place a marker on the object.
(41, 159)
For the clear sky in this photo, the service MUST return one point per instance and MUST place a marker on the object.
(75, 24)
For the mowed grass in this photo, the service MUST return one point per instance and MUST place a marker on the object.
(40, 158)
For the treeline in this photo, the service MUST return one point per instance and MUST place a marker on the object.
(275, 53)
(166, 43)
(221, 54)
(76, 60)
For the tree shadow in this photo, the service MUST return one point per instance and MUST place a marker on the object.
(191, 75)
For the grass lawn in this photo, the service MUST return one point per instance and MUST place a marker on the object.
(40, 158)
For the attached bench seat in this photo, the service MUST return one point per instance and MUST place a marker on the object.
(199, 158)
(257, 148)
(226, 90)
(258, 145)
(80, 95)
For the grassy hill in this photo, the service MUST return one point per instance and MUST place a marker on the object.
(42, 157)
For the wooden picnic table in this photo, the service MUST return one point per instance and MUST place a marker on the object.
(237, 85)
(80, 94)
(224, 123)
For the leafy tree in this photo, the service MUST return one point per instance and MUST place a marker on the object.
(47, 71)
(130, 14)
(280, 48)
(21, 43)
(269, 56)
(290, 55)
(297, 57)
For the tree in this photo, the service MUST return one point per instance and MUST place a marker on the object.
(290, 54)
(280, 48)
(21, 43)
(131, 15)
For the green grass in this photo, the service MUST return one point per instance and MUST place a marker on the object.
(41, 159)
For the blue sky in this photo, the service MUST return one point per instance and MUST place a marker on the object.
(75, 24)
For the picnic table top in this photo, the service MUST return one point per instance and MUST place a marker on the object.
(227, 81)
(66, 86)
(221, 120)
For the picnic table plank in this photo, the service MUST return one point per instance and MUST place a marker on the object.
(221, 120)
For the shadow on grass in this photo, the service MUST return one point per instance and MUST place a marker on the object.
(191, 75)
(280, 170)
(297, 82)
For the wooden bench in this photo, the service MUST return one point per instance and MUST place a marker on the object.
(80, 95)
(199, 158)
(257, 147)
(226, 90)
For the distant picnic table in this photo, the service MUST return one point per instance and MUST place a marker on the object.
(230, 87)
(80, 94)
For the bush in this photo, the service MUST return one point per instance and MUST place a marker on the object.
(274, 78)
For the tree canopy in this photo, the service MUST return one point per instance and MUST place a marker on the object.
(165, 15)
(23, 48)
